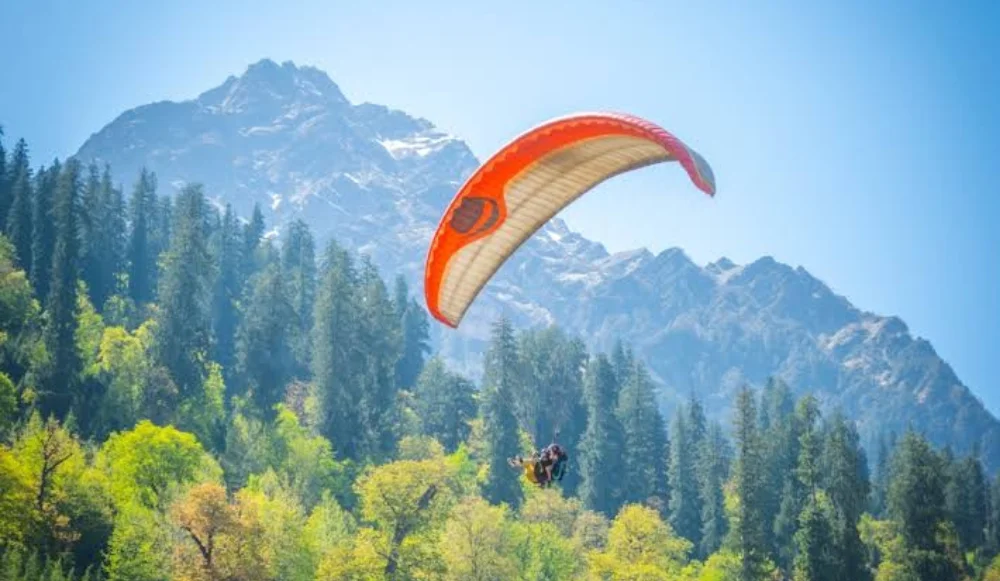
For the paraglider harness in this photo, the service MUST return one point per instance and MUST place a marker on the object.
(536, 466)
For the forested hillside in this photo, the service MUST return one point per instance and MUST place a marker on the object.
(183, 398)
(286, 139)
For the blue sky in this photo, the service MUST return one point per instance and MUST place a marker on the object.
(857, 139)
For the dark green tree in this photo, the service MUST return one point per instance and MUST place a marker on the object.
(550, 404)
(184, 332)
(696, 433)
(5, 194)
(685, 509)
(622, 360)
(101, 230)
(163, 225)
(415, 334)
(91, 221)
(141, 254)
(334, 364)
(993, 518)
(226, 247)
(500, 383)
(880, 482)
(18, 224)
(917, 503)
(751, 479)
(845, 479)
(379, 340)
(299, 264)
(551, 384)
(785, 455)
(713, 470)
(640, 419)
(967, 497)
(602, 448)
(253, 233)
(778, 431)
(43, 235)
(264, 353)
(916, 492)
(812, 536)
(814, 555)
(62, 373)
(111, 259)
(445, 403)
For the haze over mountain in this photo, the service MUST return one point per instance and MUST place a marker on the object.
(377, 180)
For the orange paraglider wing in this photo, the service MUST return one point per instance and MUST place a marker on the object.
(528, 182)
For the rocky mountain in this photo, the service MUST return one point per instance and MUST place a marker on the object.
(377, 180)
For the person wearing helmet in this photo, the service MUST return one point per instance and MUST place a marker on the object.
(553, 460)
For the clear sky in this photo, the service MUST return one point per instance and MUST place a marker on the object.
(857, 139)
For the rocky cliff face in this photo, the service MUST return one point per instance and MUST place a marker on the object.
(377, 180)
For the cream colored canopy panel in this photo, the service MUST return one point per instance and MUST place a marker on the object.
(532, 199)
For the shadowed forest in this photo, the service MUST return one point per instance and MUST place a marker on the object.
(182, 397)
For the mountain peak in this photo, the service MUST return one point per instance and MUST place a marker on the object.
(675, 258)
(721, 265)
(265, 85)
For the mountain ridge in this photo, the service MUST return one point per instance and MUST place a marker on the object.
(377, 179)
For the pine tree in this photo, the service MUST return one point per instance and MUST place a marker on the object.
(91, 220)
(5, 194)
(793, 494)
(696, 428)
(685, 509)
(602, 447)
(141, 253)
(334, 364)
(100, 260)
(264, 354)
(43, 235)
(917, 503)
(662, 463)
(551, 405)
(713, 470)
(993, 518)
(415, 333)
(967, 497)
(60, 332)
(163, 226)
(845, 470)
(253, 233)
(113, 240)
(379, 336)
(880, 483)
(916, 492)
(640, 419)
(184, 322)
(622, 360)
(299, 264)
(813, 535)
(500, 382)
(19, 227)
(445, 403)
(777, 428)
(751, 479)
(814, 540)
(551, 386)
(226, 248)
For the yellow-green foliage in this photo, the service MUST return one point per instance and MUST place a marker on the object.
(147, 463)
(640, 547)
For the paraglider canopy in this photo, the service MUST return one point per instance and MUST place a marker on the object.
(528, 182)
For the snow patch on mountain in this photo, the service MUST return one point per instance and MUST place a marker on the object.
(420, 145)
